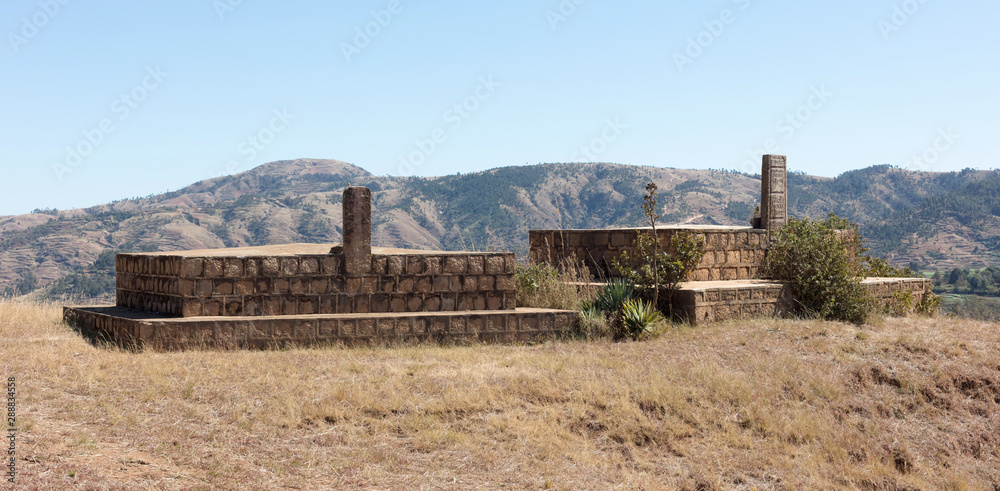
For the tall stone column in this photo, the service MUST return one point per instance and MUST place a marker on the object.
(773, 193)
(357, 231)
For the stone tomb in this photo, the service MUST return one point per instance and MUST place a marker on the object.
(272, 296)
(727, 283)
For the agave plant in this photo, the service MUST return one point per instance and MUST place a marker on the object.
(638, 317)
(613, 296)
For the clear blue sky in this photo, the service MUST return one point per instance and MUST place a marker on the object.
(158, 95)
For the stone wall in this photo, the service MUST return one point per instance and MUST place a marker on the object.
(731, 253)
(133, 329)
(734, 300)
(192, 285)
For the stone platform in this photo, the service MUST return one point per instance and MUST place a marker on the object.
(136, 329)
(711, 301)
(308, 294)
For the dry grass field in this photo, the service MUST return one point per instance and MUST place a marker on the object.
(784, 404)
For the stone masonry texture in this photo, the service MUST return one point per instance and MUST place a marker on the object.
(357, 226)
(731, 253)
(773, 192)
(195, 286)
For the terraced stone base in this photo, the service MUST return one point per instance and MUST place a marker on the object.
(711, 301)
(133, 328)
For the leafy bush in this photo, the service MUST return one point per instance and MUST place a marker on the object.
(638, 318)
(824, 262)
(673, 265)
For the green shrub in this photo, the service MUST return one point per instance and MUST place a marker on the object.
(821, 259)
(638, 318)
(673, 265)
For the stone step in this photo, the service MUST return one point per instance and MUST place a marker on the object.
(710, 301)
(134, 328)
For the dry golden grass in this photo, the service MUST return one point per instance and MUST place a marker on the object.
(905, 404)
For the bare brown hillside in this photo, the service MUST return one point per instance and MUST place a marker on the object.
(299, 201)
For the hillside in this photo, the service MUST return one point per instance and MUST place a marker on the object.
(767, 404)
(299, 201)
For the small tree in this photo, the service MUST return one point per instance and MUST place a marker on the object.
(672, 266)
(649, 207)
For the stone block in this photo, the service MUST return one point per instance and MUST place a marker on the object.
(270, 266)
(456, 265)
(331, 265)
(251, 267)
(271, 306)
(298, 286)
(212, 308)
(380, 265)
(406, 284)
(319, 286)
(234, 306)
(486, 283)
(432, 303)
(441, 283)
(396, 265)
(397, 304)
(243, 287)
(308, 305)
(289, 266)
(424, 284)
(213, 267)
(432, 265)
(309, 265)
(379, 303)
(414, 303)
(476, 265)
(233, 267)
(223, 287)
(192, 267)
(495, 265)
(414, 265)
(191, 308)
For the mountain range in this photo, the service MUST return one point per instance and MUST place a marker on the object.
(941, 220)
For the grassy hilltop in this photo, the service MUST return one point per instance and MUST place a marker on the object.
(769, 404)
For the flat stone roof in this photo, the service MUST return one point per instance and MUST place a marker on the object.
(295, 250)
